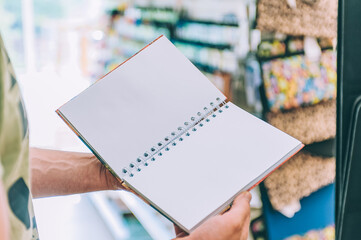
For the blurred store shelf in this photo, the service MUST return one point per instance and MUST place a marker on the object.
(71, 217)
(114, 208)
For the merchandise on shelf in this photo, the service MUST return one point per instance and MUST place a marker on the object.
(271, 48)
(326, 42)
(128, 33)
(158, 15)
(295, 45)
(295, 81)
(208, 33)
(223, 60)
(221, 81)
(286, 46)
(209, 44)
(253, 81)
(139, 32)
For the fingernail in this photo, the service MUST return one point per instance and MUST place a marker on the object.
(247, 196)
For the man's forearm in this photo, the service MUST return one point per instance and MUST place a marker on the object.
(56, 173)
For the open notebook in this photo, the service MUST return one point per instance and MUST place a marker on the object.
(163, 129)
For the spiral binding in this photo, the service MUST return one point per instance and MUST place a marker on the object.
(170, 141)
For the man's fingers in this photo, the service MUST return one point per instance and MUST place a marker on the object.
(177, 230)
(239, 214)
(245, 228)
(236, 220)
(240, 205)
(243, 196)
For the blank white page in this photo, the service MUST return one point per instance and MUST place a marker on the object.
(140, 103)
(199, 174)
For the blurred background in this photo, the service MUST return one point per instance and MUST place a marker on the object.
(276, 59)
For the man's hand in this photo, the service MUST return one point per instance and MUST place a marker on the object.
(111, 182)
(233, 224)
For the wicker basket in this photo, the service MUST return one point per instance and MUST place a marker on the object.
(317, 20)
(299, 177)
(310, 124)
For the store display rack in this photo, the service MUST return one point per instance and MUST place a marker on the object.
(209, 22)
(202, 44)
(287, 50)
(153, 223)
(288, 54)
(139, 25)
